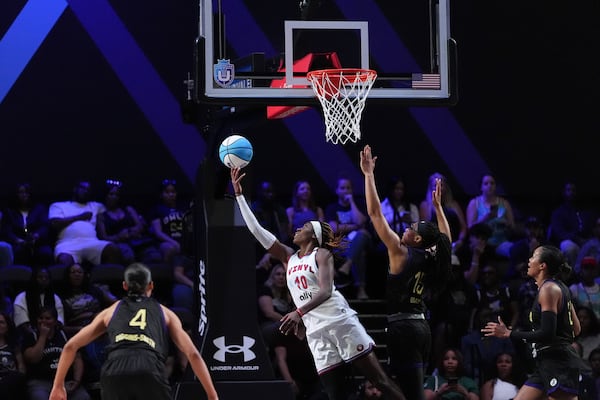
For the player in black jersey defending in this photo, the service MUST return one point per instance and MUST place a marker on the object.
(554, 326)
(138, 327)
(419, 262)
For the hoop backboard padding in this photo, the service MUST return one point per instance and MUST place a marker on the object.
(303, 65)
(342, 93)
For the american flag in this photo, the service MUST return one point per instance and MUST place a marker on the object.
(426, 81)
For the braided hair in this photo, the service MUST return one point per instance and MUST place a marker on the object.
(439, 250)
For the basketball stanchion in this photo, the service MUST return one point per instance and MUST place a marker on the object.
(342, 94)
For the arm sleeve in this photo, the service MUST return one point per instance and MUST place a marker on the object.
(264, 237)
(547, 331)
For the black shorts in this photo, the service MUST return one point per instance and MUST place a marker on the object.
(556, 368)
(409, 344)
(134, 377)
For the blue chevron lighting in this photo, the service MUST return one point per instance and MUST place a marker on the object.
(24, 37)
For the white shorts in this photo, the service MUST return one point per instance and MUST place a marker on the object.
(339, 343)
(88, 249)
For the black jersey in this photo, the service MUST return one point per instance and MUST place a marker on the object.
(138, 323)
(405, 290)
(564, 324)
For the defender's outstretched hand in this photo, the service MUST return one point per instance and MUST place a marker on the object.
(367, 161)
(436, 195)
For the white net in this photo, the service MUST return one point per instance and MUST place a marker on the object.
(342, 93)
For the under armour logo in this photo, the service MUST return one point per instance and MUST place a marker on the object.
(234, 348)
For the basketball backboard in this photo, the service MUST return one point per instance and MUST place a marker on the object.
(259, 52)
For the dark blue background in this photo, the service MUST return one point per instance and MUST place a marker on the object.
(528, 88)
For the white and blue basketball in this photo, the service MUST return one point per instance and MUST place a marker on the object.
(235, 151)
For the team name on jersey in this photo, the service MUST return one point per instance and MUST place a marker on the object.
(300, 267)
(135, 338)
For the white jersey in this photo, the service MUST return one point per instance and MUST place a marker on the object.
(504, 390)
(303, 283)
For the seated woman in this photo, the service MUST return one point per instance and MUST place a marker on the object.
(41, 350)
(505, 381)
(81, 300)
(170, 226)
(274, 301)
(123, 226)
(39, 293)
(494, 210)
(12, 366)
(450, 381)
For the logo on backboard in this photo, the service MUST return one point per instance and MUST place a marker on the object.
(224, 73)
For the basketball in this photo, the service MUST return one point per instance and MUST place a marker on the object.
(235, 151)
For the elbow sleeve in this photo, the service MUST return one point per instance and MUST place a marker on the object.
(546, 331)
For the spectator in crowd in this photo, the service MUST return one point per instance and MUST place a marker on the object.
(81, 299)
(454, 212)
(304, 207)
(12, 366)
(506, 379)
(168, 221)
(590, 248)
(41, 349)
(533, 235)
(348, 220)
(476, 252)
(594, 360)
(453, 312)
(25, 226)
(495, 298)
(122, 225)
(398, 211)
(6, 252)
(6, 303)
(39, 294)
(270, 212)
(274, 301)
(75, 223)
(494, 210)
(450, 381)
(571, 224)
(589, 338)
(587, 385)
(263, 269)
(586, 291)
(368, 391)
(479, 353)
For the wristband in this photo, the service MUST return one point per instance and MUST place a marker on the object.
(300, 313)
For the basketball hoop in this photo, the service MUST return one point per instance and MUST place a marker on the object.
(342, 93)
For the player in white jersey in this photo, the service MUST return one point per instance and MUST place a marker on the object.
(334, 334)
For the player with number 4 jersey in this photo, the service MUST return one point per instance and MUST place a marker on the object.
(139, 328)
